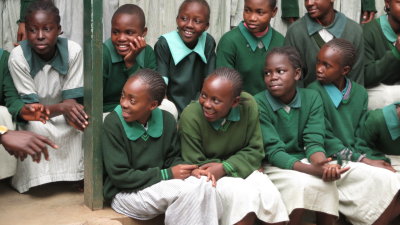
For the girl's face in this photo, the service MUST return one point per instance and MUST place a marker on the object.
(280, 77)
(42, 32)
(192, 21)
(257, 14)
(394, 13)
(125, 28)
(329, 67)
(318, 9)
(216, 98)
(136, 102)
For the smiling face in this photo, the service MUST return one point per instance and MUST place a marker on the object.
(394, 12)
(42, 32)
(192, 21)
(125, 28)
(216, 98)
(329, 67)
(257, 14)
(136, 102)
(318, 9)
(280, 77)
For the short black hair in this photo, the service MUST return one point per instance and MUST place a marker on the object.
(43, 5)
(289, 51)
(346, 49)
(131, 9)
(272, 3)
(230, 75)
(201, 2)
(156, 85)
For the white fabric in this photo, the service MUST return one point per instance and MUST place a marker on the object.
(303, 191)
(66, 163)
(255, 194)
(192, 201)
(365, 192)
(383, 95)
(8, 163)
(325, 35)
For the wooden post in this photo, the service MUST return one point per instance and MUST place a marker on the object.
(93, 83)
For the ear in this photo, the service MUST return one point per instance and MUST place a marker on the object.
(297, 75)
(236, 101)
(207, 25)
(274, 12)
(153, 105)
(59, 30)
(144, 32)
(346, 70)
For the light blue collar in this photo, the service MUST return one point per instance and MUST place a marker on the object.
(223, 123)
(135, 130)
(392, 120)
(117, 58)
(336, 95)
(179, 50)
(387, 29)
(276, 104)
(336, 28)
(252, 40)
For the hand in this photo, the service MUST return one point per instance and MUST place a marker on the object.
(290, 20)
(378, 163)
(136, 47)
(199, 172)
(182, 171)
(21, 33)
(216, 169)
(367, 16)
(35, 112)
(397, 43)
(74, 114)
(23, 143)
(333, 172)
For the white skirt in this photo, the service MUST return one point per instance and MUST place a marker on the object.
(383, 95)
(65, 163)
(365, 192)
(303, 191)
(255, 194)
(8, 163)
(192, 201)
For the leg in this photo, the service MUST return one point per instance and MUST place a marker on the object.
(325, 219)
(390, 213)
(8, 163)
(296, 216)
(247, 220)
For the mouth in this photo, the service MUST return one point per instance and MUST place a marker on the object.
(252, 26)
(41, 46)
(312, 11)
(122, 47)
(320, 77)
(274, 87)
(188, 34)
(208, 114)
(125, 114)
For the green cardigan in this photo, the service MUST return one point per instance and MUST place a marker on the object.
(298, 37)
(343, 124)
(239, 147)
(290, 137)
(233, 51)
(115, 72)
(132, 165)
(8, 94)
(382, 64)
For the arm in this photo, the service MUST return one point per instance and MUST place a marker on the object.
(357, 72)
(290, 10)
(368, 10)
(163, 56)
(210, 54)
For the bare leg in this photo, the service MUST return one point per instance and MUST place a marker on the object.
(280, 223)
(249, 219)
(325, 219)
(390, 213)
(296, 216)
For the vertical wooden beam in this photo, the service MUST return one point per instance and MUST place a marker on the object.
(93, 83)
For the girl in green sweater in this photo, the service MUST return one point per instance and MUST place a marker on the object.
(293, 135)
(145, 175)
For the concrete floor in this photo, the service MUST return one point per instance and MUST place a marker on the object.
(55, 204)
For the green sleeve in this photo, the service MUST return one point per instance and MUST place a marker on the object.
(368, 5)
(314, 130)
(369, 131)
(290, 8)
(11, 98)
(116, 160)
(163, 56)
(174, 152)
(151, 60)
(210, 54)
(274, 147)
(226, 53)
(24, 6)
(357, 71)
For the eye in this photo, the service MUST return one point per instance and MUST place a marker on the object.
(203, 96)
(216, 101)
(260, 12)
(130, 32)
(132, 101)
(267, 73)
(115, 32)
(184, 18)
(281, 72)
(197, 21)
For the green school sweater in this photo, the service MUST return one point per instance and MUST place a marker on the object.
(186, 78)
(290, 137)
(115, 72)
(300, 35)
(238, 146)
(238, 49)
(343, 124)
(8, 94)
(382, 63)
(134, 158)
(376, 132)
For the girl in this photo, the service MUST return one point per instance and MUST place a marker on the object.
(145, 175)
(187, 55)
(221, 134)
(293, 134)
(245, 47)
(49, 70)
(382, 57)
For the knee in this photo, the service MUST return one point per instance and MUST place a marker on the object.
(5, 117)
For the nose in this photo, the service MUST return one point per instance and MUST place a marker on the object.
(207, 104)
(319, 68)
(40, 35)
(121, 37)
(123, 102)
(253, 17)
(309, 3)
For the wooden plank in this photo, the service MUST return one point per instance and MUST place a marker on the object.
(93, 83)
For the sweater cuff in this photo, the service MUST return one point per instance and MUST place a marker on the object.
(166, 174)
(368, 6)
(396, 53)
(229, 169)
